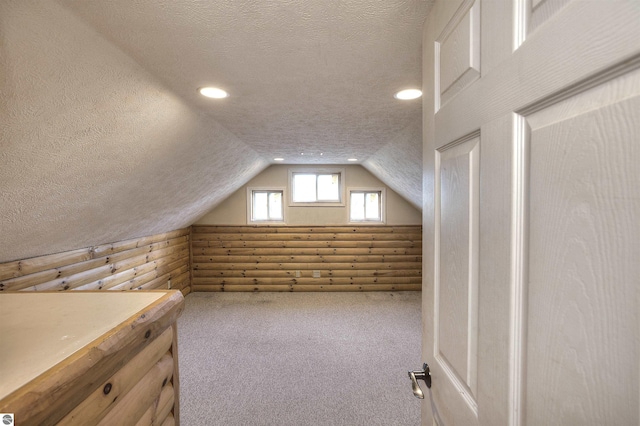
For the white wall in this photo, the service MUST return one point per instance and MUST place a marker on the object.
(93, 149)
(233, 211)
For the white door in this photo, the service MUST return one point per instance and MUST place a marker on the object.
(532, 212)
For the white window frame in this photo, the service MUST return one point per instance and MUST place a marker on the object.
(317, 171)
(250, 191)
(383, 206)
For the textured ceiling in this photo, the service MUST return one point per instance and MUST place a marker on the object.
(103, 136)
(312, 76)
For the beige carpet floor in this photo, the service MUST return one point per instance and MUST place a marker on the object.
(299, 358)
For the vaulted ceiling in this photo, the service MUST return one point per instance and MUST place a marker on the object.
(105, 137)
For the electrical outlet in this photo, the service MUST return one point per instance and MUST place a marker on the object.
(297, 274)
(169, 285)
(316, 274)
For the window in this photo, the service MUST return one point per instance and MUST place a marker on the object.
(366, 205)
(265, 205)
(316, 187)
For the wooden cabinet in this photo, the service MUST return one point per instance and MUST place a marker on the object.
(85, 358)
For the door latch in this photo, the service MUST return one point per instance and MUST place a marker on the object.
(424, 375)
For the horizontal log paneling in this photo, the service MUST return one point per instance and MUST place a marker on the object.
(307, 281)
(266, 258)
(215, 229)
(304, 266)
(308, 259)
(338, 251)
(151, 262)
(335, 236)
(318, 287)
(306, 244)
(230, 258)
(305, 273)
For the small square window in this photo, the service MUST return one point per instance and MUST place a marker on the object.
(316, 187)
(366, 205)
(265, 205)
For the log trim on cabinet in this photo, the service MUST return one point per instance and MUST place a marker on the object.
(56, 392)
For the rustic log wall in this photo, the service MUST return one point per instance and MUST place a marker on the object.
(234, 258)
(266, 258)
(155, 262)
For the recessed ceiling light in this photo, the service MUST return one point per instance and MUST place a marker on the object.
(352, 159)
(213, 92)
(408, 94)
(278, 159)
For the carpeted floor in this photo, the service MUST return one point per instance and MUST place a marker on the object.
(299, 358)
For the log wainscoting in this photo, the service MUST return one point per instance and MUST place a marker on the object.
(303, 258)
(155, 262)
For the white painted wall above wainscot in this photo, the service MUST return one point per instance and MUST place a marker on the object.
(232, 211)
(93, 148)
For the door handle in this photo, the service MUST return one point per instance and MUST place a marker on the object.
(424, 375)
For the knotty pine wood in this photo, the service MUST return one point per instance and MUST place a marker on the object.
(98, 404)
(146, 392)
(146, 263)
(266, 258)
(55, 393)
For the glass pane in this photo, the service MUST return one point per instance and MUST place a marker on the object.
(260, 211)
(357, 206)
(304, 188)
(329, 187)
(275, 205)
(372, 207)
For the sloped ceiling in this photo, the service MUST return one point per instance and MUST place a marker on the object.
(104, 137)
